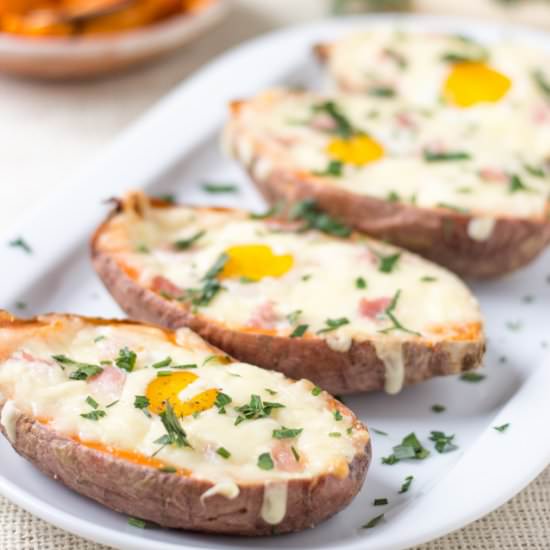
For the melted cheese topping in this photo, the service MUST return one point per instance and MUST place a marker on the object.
(38, 385)
(489, 160)
(319, 287)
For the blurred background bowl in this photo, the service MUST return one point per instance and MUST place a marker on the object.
(93, 55)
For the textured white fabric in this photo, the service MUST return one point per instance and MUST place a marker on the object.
(49, 131)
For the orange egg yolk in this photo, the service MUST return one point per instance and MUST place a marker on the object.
(255, 261)
(357, 150)
(165, 389)
(470, 83)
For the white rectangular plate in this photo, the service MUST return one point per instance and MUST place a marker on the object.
(173, 149)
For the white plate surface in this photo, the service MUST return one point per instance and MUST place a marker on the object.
(173, 149)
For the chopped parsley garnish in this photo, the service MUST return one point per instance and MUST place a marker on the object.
(428, 279)
(379, 432)
(373, 522)
(175, 434)
(295, 453)
(141, 402)
(265, 462)
(181, 367)
(222, 400)
(337, 415)
(380, 502)
(313, 218)
(438, 408)
(535, 171)
(255, 409)
(94, 415)
(143, 248)
(203, 296)
(472, 377)
(433, 156)
(388, 263)
(335, 434)
(406, 484)
(393, 197)
(443, 443)
(360, 283)
(83, 370)
(516, 184)
(214, 188)
(542, 83)
(287, 433)
(333, 324)
(20, 304)
(294, 316)
(22, 244)
(162, 373)
(161, 364)
(270, 391)
(224, 453)
(92, 402)
(316, 391)
(184, 244)
(299, 331)
(502, 428)
(139, 523)
(112, 404)
(334, 168)
(168, 470)
(381, 91)
(389, 311)
(410, 447)
(126, 359)
(99, 338)
(343, 127)
(454, 57)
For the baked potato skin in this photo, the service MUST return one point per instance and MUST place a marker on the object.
(437, 235)
(357, 370)
(171, 500)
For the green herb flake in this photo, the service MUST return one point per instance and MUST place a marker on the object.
(175, 434)
(219, 188)
(379, 432)
(287, 433)
(542, 83)
(20, 304)
(516, 185)
(112, 404)
(92, 402)
(294, 316)
(139, 523)
(335, 434)
(185, 244)
(409, 448)
(396, 324)
(438, 408)
(393, 197)
(381, 91)
(22, 244)
(143, 249)
(388, 263)
(299, 331)
(472, 377)
(406, 484)
(316, 391)
(265, 462)
(141, 402)
(337, 415)
(502, 428)
(343, 127)
(224, 453)
(295, 453)
(270, 392)
(433, 156)
(255, 408)
(453, 207)
(373, 522)
(222, 400)
(428, 279)
(168, 470)
(161, 364)
(94, 415)
(534, 171)
(99, 339)
(380, 502)
(360, 283)
(183, 367)
(333, 324)
(126, 359)
(334, 168)
(313, 218)
(443, 443)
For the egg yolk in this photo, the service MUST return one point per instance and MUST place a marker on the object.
(357, 150)
(255, 261)
(471, 83)
(165, 389)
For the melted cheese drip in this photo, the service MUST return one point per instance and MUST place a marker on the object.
(40, 388)
(8, 419)
(391, 354)
(228, 489)
(274, 503)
